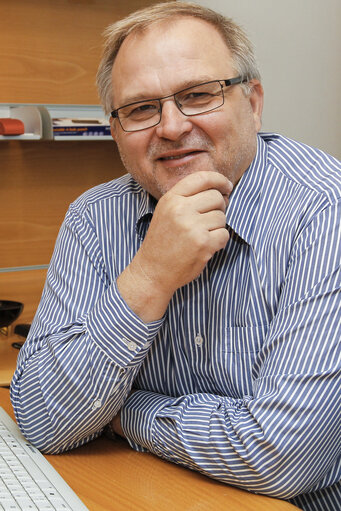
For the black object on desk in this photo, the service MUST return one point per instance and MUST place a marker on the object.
(9, 312)
(21, 329)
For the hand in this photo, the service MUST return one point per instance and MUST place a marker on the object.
(187, 228)
(115, 422)
(116, 425)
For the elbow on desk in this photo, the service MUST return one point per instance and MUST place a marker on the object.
(48, 444)
(39, 431)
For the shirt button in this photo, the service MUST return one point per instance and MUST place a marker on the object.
(198, 340)
(97, 403)
(131, 345)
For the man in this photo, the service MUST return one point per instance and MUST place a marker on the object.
(193, 305)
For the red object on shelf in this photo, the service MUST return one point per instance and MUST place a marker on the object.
(10, 126)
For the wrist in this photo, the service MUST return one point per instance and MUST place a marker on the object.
(109, 431)
(141, 293)
(115, 427)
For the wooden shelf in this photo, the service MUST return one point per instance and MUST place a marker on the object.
(25, 136)
(38, 120)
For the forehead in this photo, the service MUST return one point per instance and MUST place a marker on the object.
(168, 56)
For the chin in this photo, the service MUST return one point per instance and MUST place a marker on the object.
(172, 176)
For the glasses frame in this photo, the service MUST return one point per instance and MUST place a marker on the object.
(223, 83)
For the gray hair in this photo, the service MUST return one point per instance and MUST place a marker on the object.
(233, 35)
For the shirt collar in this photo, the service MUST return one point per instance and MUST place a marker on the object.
(243, 205)
(145, 212)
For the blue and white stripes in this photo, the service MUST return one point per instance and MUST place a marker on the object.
(241, 378)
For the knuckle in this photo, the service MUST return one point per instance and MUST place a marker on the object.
(205, 178)
(220, 220)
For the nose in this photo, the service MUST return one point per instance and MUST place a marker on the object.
(174, 124)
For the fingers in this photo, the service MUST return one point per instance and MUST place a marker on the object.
(209, 200)
(213, 220)
(205, 243)
(219, 238)
(201, 181)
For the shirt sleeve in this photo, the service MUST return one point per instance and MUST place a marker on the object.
(284, 438)
(84, 348)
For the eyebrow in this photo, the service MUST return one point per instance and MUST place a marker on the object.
(184, 85)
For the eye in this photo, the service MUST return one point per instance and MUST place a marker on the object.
(193, 96)
(197, 97)
(141, 110)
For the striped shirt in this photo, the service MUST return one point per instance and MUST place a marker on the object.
(240, 379)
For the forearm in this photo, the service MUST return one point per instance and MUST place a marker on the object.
(141, 293)
(235, 441)
(62, 402)
(84, 348)
(68, 384)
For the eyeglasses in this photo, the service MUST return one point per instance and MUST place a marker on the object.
(195, 100)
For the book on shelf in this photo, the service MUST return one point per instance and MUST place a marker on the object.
(80, 127)
(55, 122)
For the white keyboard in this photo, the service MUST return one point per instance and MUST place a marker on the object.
(27, 480)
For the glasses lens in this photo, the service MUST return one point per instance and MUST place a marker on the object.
(201, 98)
(139, 116)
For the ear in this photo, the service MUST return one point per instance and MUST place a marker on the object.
(256, 98)
(112, 127)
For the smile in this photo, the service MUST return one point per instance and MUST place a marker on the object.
(179, 156)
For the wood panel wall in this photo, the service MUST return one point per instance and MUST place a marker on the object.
(50, 49)
(49, 53)
(38, 182)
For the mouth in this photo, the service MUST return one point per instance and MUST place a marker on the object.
(179, 157)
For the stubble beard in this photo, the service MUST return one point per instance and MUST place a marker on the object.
(156, 187)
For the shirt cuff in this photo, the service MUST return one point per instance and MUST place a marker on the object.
(137, 418)
(118, 331)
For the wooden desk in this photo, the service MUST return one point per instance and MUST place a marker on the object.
(109, 476)
(8, 358)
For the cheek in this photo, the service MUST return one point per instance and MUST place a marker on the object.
(216, 126)
(133, 153)
(132, 148)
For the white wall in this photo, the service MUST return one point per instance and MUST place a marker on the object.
(298, 49)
